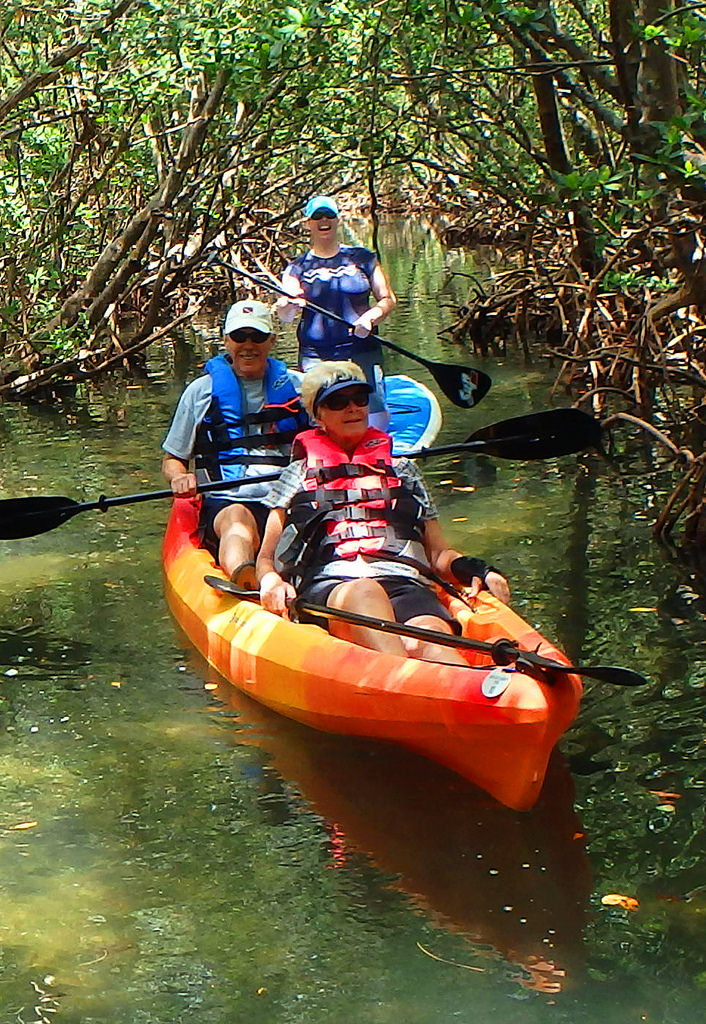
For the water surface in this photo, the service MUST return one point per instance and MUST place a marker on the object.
(171, 852)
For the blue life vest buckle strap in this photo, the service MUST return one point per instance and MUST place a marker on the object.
(267, 415)
(275, 439)
(273, 412)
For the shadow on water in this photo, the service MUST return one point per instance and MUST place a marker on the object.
(514, 885)
(37, 653)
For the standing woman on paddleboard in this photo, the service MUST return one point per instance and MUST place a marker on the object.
(341, 278)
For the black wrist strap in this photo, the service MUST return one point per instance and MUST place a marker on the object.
(465, 569)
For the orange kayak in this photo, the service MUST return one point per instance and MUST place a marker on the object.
(495, 726)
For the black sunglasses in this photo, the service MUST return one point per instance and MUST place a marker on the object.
(257, 337)
(340, 400)
(323, 215)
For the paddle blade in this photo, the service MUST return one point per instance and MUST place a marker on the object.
(218, 583)
(463, 386)
(527, 660)
(539, 435)
(613, 674)
(28, 517)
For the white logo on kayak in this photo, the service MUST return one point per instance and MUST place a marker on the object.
(496, 682)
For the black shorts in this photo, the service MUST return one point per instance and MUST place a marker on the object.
(211, 506)
(408, 599)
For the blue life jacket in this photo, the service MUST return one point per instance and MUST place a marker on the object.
(225, 440)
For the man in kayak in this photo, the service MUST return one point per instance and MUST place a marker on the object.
(236, 421)
(340, 278)
(353, 528)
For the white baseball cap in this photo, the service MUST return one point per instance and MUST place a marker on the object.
(248, 313)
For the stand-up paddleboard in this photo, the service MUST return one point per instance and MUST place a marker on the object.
(415, 415)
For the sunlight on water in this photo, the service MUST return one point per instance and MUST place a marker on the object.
(174, 853)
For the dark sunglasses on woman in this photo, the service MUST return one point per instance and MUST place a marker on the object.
(257, 337)
(340, 400)
(323, 215)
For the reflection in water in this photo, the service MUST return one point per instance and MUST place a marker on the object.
(575, 583)
(513, 884)
(165, 881)
(37, 653)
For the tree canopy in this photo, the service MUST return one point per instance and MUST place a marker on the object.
(141, 134)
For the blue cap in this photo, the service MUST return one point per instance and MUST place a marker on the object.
(338, 385)
(321, 203)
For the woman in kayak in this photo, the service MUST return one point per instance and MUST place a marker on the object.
(339, 278)
(353, 528)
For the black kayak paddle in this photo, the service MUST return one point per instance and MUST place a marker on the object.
(28, 517)
(503, 651)
(462, 385)
(539, 435)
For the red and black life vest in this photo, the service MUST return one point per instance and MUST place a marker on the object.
(350, 505)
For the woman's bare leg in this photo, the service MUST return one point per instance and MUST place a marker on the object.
(427, 651)
(365, 597)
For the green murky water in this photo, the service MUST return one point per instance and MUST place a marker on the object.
(172, 853)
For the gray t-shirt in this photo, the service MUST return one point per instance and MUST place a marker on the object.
(190, 412)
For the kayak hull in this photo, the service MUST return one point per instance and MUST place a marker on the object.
(501, 743)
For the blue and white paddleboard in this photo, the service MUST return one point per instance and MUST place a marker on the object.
(415, 415)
